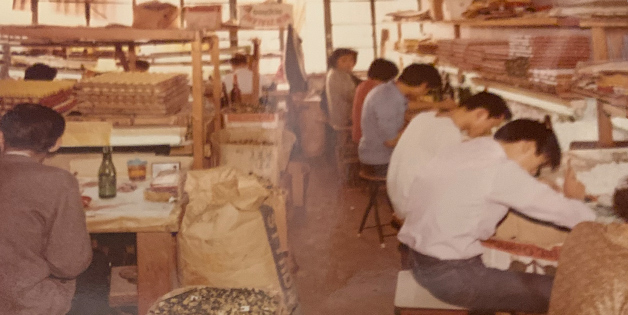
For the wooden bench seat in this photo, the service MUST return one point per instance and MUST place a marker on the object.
(412, 299)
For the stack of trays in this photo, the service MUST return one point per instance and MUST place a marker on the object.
(133, 93)
(495, 57)
(53, 94)
(445, 51)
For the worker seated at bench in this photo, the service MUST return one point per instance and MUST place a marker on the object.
(459, 197)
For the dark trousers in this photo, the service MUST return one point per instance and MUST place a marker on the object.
(468, 283)
(379, 170)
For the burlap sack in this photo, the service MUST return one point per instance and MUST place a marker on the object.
(231, 236)
(155, 15)
(592, 276)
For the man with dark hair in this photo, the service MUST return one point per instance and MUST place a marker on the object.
(475, 117)
(44, 244)
(380, 71)
(244, 75)
(384, 111)
(459, 197)
(40, 72)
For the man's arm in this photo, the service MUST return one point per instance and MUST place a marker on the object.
(514, 187)
(69, 250)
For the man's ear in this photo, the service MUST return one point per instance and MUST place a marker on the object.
(481, 113)
(56, 146)
(1, 142)
(528, 147)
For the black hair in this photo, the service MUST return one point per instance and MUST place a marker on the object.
(532, 130)
(238, 59)
(620, 199)
(32, 127)
(416, 74)
(382, 69)
(40, 72)
(494, 104)
(142, 65)
(333, 59)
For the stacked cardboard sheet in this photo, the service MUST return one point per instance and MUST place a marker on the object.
(495, 57)
(53, 94)
(133, 93)
(551, 52)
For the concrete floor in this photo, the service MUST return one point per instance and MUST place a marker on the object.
(340, 273)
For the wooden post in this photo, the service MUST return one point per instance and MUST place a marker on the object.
(600, 53)
(329, 45)
(156, 267)
(34, 12)
(217, 81)
(6, 61)
(255, 69)
(182, 14)
(382, 42)
(132, 57)
(120, 55)
(233, 15)
(198, 135)
(374, 28)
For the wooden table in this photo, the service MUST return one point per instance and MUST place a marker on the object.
(154, 224)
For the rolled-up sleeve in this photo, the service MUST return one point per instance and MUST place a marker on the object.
(68, 251)
(515, 188)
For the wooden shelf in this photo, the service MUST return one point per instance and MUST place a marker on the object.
(605, 23)
(520, 22)
(43, 34)
(545, 101)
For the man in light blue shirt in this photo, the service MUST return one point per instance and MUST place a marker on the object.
(383, 115)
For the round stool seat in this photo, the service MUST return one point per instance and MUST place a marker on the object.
(371, 177)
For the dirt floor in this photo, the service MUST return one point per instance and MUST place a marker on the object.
(340, 273)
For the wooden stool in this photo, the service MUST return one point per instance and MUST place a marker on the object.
(345, 153)
(413, 299)
(374, 182)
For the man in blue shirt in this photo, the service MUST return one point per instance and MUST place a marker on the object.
(384, 112)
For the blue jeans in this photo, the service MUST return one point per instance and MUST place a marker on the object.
(470, 284)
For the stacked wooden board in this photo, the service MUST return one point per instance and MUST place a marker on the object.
(53, 94)
(133, 93)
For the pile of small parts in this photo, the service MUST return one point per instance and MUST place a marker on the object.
(215, 301)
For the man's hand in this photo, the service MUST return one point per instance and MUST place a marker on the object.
(573, 188)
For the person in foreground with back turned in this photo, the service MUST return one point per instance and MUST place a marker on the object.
(460, 196)
(44, 244)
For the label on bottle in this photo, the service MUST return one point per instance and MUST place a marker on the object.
(107, 186)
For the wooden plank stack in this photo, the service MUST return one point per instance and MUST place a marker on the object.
(551, 59)
(133, 93)
(53, 94)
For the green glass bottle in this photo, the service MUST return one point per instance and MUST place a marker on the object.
(107, 175)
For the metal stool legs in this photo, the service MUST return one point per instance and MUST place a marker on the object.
(373, 190)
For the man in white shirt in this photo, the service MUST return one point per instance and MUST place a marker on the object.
(459, 197)
(430, 132)
(244, 76)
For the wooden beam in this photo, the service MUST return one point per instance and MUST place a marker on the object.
(255, 69)
(35, 12)
(600, 53)
(329, 45)
(373, 28)
(198, 135)
(216, 82)
(132, 57)
(233, 15)
(156, 267)
(104, 35)
(6, 61)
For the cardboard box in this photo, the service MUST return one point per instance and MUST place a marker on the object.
(203, 17)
